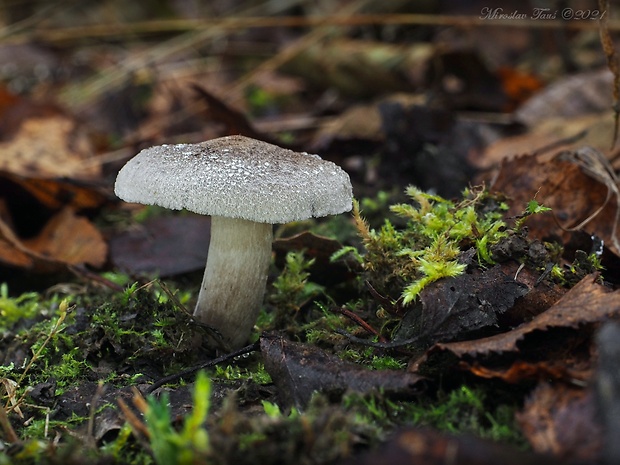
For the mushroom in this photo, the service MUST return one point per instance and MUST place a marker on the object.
(246, 185)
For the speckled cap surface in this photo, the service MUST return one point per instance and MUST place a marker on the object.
(236, 177)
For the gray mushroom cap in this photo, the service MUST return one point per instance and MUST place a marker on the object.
(236, 177)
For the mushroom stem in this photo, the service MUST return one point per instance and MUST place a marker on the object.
(234, 282)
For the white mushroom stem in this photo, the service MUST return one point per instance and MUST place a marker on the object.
(235, 277)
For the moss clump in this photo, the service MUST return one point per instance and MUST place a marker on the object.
(461, 410)
(402, 262)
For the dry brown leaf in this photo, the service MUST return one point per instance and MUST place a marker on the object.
(56, 193)
(547, 346)
(595, 130)
(65, 240)
(577, 95)
(167, 245)
(587, 302)
(48, 147)
(301, 370)
(559, 420)
(70, 239)
(567, 188)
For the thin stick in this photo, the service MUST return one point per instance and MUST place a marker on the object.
(210, 363)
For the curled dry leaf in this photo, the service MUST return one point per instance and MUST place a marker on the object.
(52, 193)
(587, 303)
(70, 239)
(66, 239)
(577, 196)
(453, 307)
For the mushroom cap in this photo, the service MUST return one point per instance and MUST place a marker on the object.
(236, 177)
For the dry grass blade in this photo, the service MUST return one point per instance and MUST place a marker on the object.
(5, 425)
(138, 427)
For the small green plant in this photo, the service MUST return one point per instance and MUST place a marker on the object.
(16, 382)
(292, 287)
(190, 444)
(533, 208)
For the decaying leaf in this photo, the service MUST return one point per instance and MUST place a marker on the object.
(569, 188)
(587, 303)
(69, 239)
(66, 239)
(427, 447)
(580, 94)
(299, 370)
(456, 306)
(559, 420)
(554, 133)
(167, 246)
(52, 193)
(49, 146)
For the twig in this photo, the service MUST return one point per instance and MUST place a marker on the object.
(378, 345)
(210, 363)
(356, 318)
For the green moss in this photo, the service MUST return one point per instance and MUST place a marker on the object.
(13, 309)
(462, 410)
(256, 373)
(399, 262)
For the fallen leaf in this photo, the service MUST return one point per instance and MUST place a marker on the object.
(454, 307)
(573, 195)
(521, 371)
(587, 303)
(411, 446)
(559, 420)
(69, 239)
(53, 193)
(51, 146)
(577, 95)
(66, 239)
(166, 246)
(300, 370)
(554, 133)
